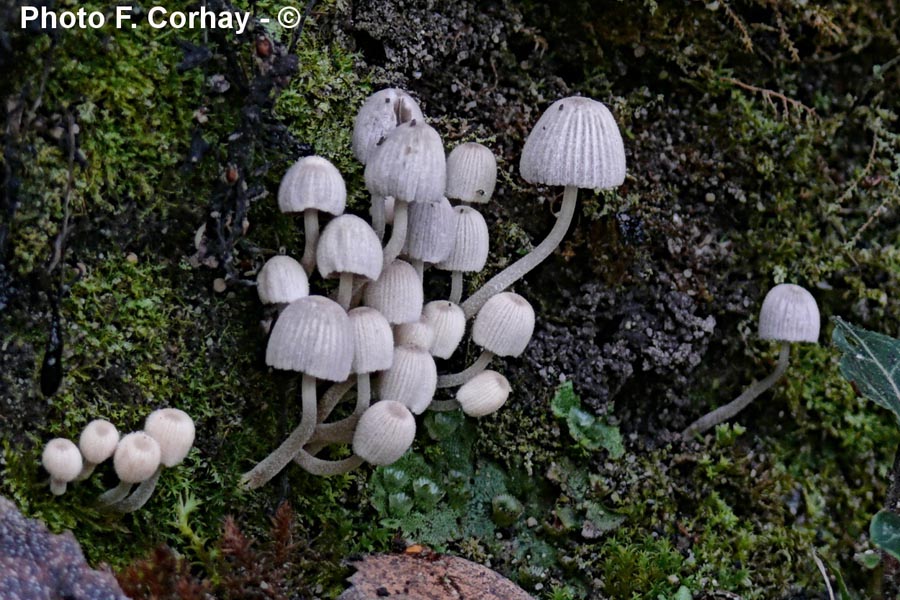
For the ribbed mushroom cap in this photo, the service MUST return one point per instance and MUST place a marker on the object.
(312, 182)
(174, 431)
(418, 333)
(412, 379)
(483, 394)
(397, 293)
(471, 173)
(281, 281)
(98, 441)
(349, 245)
(62, 459)
(575, 142)
(430, 231)
(384, 433)
(380, 113)
(373, 341)
(313, 336)
(137, 457)
(409, 164)
(789, 313)
(471, 242)
(504, 324)
(448, 321)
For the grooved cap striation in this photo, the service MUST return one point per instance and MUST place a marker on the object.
(373, 341)
(384, 433)
(174, 431)
(312, 335)
(411, 380)
(312, 182)
(448, 321)
(409, 164)
(418, 333)
(575, 142)
(483, 394)
(470, 244)
(397, 293)
(349, 245)
(98, 441)
(62, 459)
(281, 281)
(430, 231)
(380, 113)
(137, 457)
(504, 324)
(789, 313)
(471, 173)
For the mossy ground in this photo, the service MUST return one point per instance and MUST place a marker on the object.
(762, 148)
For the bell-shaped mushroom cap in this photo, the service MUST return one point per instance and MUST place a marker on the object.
(430, 231)
(384, 433)
(98, 441)
(418, 333)
(412, 379)
(504, 324)
(373, 342)
(137, 457)
(575, 142)
(448, 321)
(789, 313)
(483, 394)
(62, 459)
(397, 294)
(312, 182)
(381, 112)
(349, 245)
(471, 173)
(174, 431)
(409, 164)
(314, 336)
(281, 281)
(471, 242)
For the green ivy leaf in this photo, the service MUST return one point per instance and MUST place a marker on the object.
(885, 532)
(871, 361)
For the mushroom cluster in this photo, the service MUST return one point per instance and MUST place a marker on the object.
(138, 458)
(378, 321)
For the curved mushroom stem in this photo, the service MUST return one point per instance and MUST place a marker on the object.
(58, 486)
(345, 290)
(87, 468)
(378, 216)
(524, 265)
(332, 397)
(455, 379)
(317, 466)
(140, 495)
(456, 286)
(271, 465)
(398, 233)
(115, 494)
(443, 405)
(341, 432)
(723, 413)
(419, 266)
(311, 230)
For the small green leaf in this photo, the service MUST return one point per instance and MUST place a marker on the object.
(586, 429)
(869, 559)
(871, 361)
(885, 532)
(564, 400)
(683, 593)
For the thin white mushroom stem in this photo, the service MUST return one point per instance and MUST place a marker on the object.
(345, 290)
(311, 231)
(378, 216)
(58, 486)
(140, 495)
(341, 432)
(419, 266)
(456, 286)
(723, 413)
(363, 393)
(398, 232)
(317, 466)
(115, 494)
(457, 379)
(524, 265)
(332, 397)
(87, 470)
(270, 466)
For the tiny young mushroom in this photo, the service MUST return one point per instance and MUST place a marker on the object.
(471, 173)
(174, 431)
(577, 144)
(448, 322)
(349, 247)
(384, 433)
(312, 185)
(483, 394)
(411, 380)
(281, 281)
(430, 233)
(136, 460)
(397, 293)
(380, 113)
(471, 242)
(98, 442)
(62, 460)
(789, 314)
(312, 336)
(408, 165)
(503, 327)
